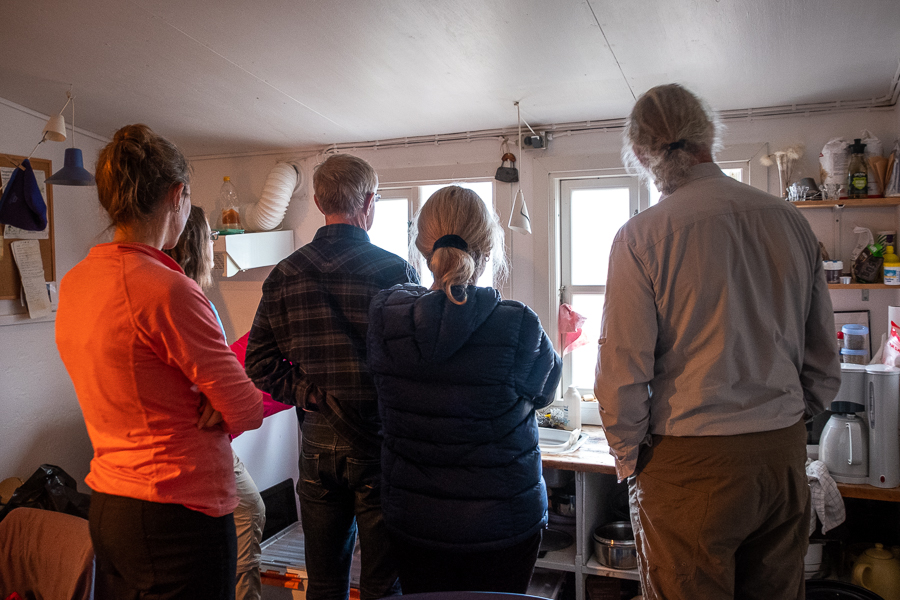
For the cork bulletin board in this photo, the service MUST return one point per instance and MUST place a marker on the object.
(10, 282)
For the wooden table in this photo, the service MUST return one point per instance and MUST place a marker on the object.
(593, 457)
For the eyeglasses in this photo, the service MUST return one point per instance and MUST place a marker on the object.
(375, 197)
(213, 236)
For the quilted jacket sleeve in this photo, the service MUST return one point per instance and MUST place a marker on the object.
(539, 366)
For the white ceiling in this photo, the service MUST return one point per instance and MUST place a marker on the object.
(233, 76)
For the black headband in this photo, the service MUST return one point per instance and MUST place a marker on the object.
(677, 145)
(450, 241)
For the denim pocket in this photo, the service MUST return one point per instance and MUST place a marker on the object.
(310, 483)
(364, 472)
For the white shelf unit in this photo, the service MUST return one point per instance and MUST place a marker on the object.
(239, 252)
(593, 497)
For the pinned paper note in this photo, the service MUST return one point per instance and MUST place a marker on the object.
(27, 254)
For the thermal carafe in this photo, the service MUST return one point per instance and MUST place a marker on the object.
(882, 399)
(844, 444)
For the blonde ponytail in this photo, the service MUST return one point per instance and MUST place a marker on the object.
(457, 233)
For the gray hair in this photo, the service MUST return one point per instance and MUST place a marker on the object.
(454, 210)
(342, 182)
(668, 127)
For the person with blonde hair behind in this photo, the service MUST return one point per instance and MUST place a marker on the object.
(159, 388)
(460, 373)
(716, 343)
(194, 252)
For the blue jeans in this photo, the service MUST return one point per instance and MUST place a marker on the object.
(340, 495)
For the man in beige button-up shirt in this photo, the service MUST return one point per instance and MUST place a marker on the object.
(717, 341)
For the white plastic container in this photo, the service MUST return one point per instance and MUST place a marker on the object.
(590, 413)
(572, 407)
(833, 270)
(892, 273)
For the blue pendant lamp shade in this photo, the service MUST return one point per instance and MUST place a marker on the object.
(73, 171)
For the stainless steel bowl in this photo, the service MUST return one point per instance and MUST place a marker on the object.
(614, 545)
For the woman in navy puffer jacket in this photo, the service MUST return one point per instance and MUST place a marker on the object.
(459, 374)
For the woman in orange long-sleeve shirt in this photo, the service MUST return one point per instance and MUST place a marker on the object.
(159, 388)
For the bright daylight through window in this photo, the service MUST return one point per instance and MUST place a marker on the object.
(394, 214)
(592, 211)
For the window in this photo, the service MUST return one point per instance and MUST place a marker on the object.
(737, 170)
(591, 211)
(394, 214)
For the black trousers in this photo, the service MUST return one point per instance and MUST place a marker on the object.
(160, 551)
(428, 570)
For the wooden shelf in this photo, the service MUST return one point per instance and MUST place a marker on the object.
(849, 202)
(862, 286)
(869, 492)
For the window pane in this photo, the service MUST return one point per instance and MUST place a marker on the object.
(597, 214)
(736, 174)
(655, 194)
(391, 225)
(584, 358)
(485, 190)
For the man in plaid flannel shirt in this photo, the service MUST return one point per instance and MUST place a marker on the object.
(307, 348)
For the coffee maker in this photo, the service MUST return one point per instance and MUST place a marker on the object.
(882, 399)
(867, 449)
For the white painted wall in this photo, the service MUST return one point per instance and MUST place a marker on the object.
(531, 255)
(42, 422)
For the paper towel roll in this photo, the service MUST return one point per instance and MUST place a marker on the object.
(893, 315)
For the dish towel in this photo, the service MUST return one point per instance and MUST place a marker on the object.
(827, 503)
(569, 324)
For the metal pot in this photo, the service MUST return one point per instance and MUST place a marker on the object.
(614, 545)
(563, 504)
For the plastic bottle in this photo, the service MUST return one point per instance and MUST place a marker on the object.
(891, 267)
(857, 178)
(572, 407)
(229, 219)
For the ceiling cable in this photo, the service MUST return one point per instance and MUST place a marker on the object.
(609, 46)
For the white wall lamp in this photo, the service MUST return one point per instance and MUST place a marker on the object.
(73, 171)
(54, 131)
(518, 218)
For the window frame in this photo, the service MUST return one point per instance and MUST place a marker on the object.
(638, 200)
(743, 156)
(411, 191)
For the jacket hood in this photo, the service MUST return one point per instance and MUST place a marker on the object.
(439, 327)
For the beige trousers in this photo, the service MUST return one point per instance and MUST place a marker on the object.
(249, 521)
(719, 517)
